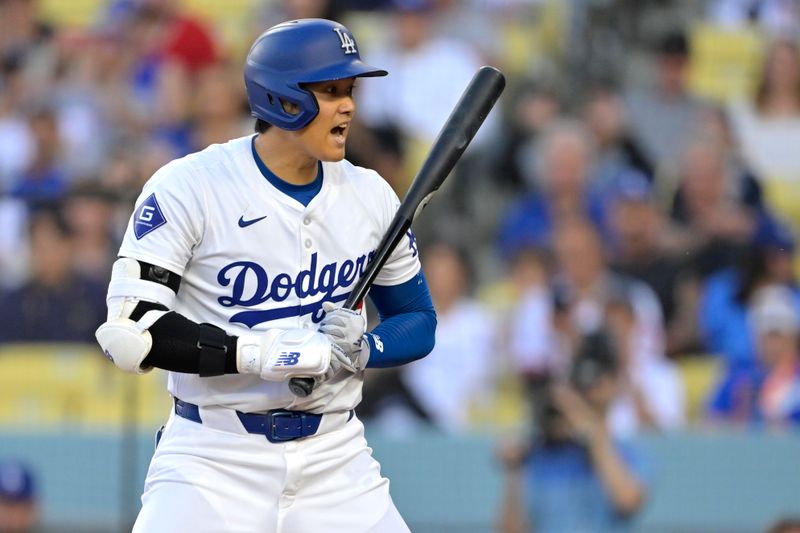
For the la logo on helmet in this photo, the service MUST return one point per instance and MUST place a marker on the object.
(348, 44)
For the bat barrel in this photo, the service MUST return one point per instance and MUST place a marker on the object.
(458, 131)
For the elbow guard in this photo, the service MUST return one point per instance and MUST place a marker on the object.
(124, 341)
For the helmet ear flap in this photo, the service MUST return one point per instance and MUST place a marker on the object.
(292, 110)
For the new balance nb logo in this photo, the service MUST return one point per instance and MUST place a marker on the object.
(348, 44)
(288, 359)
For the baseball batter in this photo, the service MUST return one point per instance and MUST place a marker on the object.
(231, 275)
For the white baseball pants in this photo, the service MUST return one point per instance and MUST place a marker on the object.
(217, 478)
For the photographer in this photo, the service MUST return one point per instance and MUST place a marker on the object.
(572, 476)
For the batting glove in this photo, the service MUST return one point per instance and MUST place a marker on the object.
(345, 329)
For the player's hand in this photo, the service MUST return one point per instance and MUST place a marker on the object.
(345, 329)
(279, 355)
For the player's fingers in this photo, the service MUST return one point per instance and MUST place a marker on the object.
(335, 320)
(342, 358)
(328, 306)
(332, 331)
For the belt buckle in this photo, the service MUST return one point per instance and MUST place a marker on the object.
(273, 428)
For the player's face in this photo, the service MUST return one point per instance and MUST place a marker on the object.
(324, 138)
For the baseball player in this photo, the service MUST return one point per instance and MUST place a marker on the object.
(230, 276)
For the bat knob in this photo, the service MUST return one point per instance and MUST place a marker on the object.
(301, 387)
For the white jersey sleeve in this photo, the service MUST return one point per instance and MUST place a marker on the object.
(403, 263)
(168, 220)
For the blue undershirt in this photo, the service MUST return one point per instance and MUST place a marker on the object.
(408, 323)
(408, 320)
(302, 193)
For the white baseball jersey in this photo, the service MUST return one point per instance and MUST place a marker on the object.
(253, 258)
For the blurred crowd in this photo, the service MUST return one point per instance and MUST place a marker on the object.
(608, 223)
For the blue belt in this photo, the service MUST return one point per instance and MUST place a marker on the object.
(278, 425)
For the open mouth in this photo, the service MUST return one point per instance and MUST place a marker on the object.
(340, 130)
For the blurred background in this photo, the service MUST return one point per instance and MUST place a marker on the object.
(613, 262)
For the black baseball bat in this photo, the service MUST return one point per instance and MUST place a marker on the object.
(469, 113)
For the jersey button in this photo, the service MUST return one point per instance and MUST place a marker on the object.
(308, 243)
(306, 221)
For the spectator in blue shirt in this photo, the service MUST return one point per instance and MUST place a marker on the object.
(768, 394)
(564, 190)
(723, 318)
(574, 477)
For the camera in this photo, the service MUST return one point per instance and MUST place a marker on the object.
(595, 359)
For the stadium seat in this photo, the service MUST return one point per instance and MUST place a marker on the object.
(46, 385)
(699, 374)
(725, 62)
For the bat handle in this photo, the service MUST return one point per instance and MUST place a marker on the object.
(301, 387)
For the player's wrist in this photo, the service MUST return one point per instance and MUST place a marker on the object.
(281, 354)
(250, 351)
(367, 342)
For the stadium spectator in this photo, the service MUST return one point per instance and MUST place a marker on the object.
(19, 509)
(617, 151)
(775, 320)
(17, 144)
(217, 107)
(13, 242)
(584, 283)
(660, 116)
(766, 393)
(574, 475)
(768, 128)
(162, 49)
(419, 97)
(30, 43)
(55, 304)
(534, 104)
(563, 178)
(463, 366)
(651, 393)
(44, 180)
(444, 391)
(741, 180)
(709, 208)
(639, 235)
(581, 302)
(724, 324)
(89, 209)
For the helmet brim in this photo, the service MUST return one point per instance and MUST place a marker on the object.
(352, 69)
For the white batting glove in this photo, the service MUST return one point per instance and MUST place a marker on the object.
(345, 329)
(279, 355)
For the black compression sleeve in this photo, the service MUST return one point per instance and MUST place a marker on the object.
(175, 345)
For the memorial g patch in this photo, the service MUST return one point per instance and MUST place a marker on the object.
(148, 216)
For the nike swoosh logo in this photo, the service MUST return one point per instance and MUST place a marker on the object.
(244, 223)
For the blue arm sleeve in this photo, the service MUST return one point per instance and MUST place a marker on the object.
(408, 323)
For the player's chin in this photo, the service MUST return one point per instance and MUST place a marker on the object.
(333, 154)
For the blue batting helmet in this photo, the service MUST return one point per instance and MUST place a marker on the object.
(296, 52)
